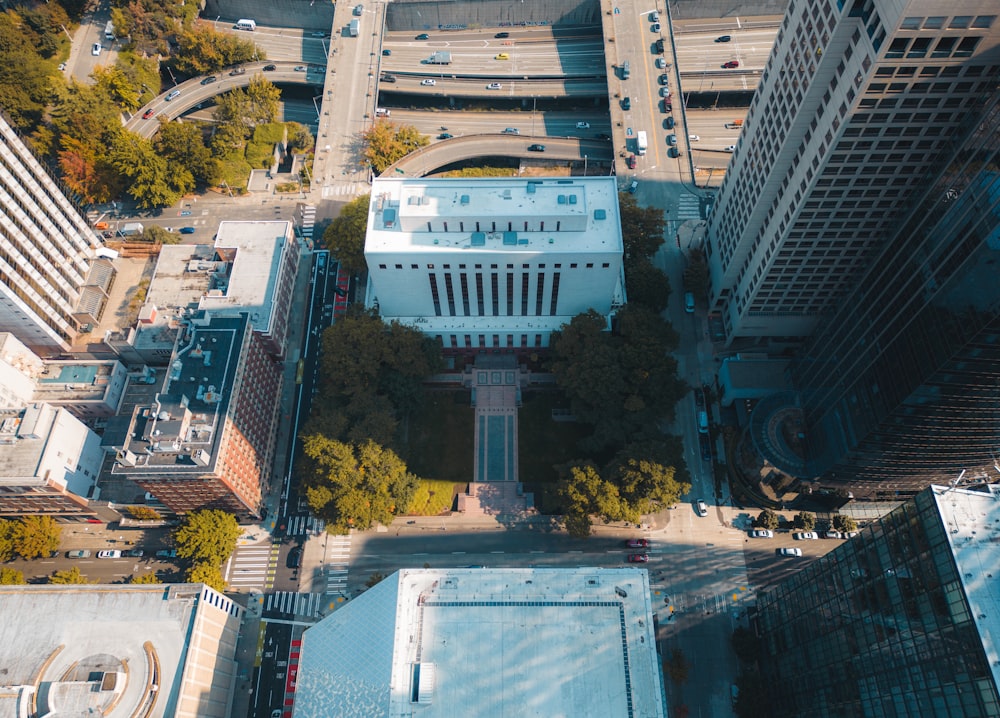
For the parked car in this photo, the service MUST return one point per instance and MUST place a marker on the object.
(167, 553)
(762, 533)
(428, 83)
(661, 63)
(723, 38)
(358, 9)
(78, 553)
(731, 64)
(805, 536)
(536, 148)
(187, 230)
(850, 534)
(701, 507)
(638, 558)
(833, 535)
(319, 33)
(693, 138)
(673, 152)
(583, 125)
(705, 446)
(664, 92)
(270, 68)
(209, 80)
(789, 551)
(109, 553)
(659, 46)
(631, 162)
(633, 186)
(655, 27)
(134, 553)
(626, 103)
(671, 139)
(637, 543)
(148, 113)
(669, 123)
(95, 49)
(494, 86)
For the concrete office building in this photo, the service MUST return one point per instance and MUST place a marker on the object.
(166, 651)
(860, 102)
(207, 440)
(902, 620)
(51, 281)
(487, 643)
(493, 263)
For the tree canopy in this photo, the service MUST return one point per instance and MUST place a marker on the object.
(202, 50)
(386, 143)
(767, 519)
(208, 574)
(145, 578)
(843, 522)
(11, 577)
(345, 236)
(29, 537)
(587, 494)
(207, 536)
(646, 284)
(804, 520)
(642, 227)
(66, 576)
(355, 485)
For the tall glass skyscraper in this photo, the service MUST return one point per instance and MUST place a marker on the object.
(902, 620)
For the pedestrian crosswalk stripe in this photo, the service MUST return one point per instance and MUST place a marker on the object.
(298, 604)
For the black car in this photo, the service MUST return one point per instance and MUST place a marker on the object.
(386, 53)
(723, 38)
(423, 36)
(294, 557)
(603, 136)
(502, 35)
(626, 103)
(536, 148)
(706, 447)
(388, 78)
(209, 80)
(659, 46)
(699, 398)
(669, 123)
(445, 136)
(270, 68)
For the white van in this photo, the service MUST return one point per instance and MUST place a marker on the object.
(246, 24)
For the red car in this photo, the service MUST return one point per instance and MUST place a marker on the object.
(637, 543)
(631, 162)
(731, 64)
(147, 114)
(637, 558)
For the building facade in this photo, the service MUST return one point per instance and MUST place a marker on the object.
(51, 282)
(859, 102)
(902, 620)
(207, 441)
(493, 263)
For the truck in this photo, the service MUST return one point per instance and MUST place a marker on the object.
(734, 125)
(354, 28)
(626, 70)
(439, 58)
(131, 229)
(640, 142)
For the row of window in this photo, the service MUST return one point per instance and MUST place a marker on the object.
(481, 309)
(557, 265)
(465, 342)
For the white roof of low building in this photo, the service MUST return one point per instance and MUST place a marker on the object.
(487, 643)
(972, 523)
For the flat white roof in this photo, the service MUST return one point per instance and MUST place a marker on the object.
(514, 214)
(488, 643)
(972, 523)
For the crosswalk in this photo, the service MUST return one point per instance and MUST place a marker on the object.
(253, 567)
(295, 604)
(338, 556)
(307, 221)
(342, 189)
(688, 207)
(304, 525)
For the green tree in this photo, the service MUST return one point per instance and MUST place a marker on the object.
(842, 522)
(804, 520)
(183, 144)
(299, 137)
(152, 182)
(243, 110)
(647, 484)
(11, 577)
(207, 536)
(646, 284)
(114, 82)
(696, 278)
(642, 227)
(387, 143)
(355, 485)
(159, 235)
(86, 172)
(208, 574)
(145, 578)
(71, 575)
(767, 519)
(203, 50)
(143, 513)
(585, 493)
(8, 540)
(36, 536)
(345, 236)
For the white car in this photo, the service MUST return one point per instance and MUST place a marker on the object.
(95, 49)
(109, 554)
(428, 83)
(583, 125)
(701, 507)
(661, 63)
(693, 138)
(664, 92)
(730, 148)
(789, 552)
(494, 86)
(762, 533)
(805, 536)
(300, 68)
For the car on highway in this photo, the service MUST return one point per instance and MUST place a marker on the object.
(428, 83)
(422, 36)
(502, 56)
(95, 49)
(789, 551)
(209, 80)
(701, 507)
(762, 533)
(637, 543)
(661, 63)
(731, 64)
(294, 559)
(494, 86)
(583, 125)
(502, 35)
(664, 92)
(300, 68)
(536, 148)
(805, 536)
(603, 136)
(445, 136)
(730, 148)
(270, 68)
(693, 138)
(389, 78)
(631, 162)
(833, 535)
(638, 558)
(134, 553)
(109, 553)
(238, 71)
(187, 230)
(723, 38)
(78, 553)
(386, 53)
(148, 113)
(510, 131)
(669, 123)
(319, 33)
(173, 95)
(276, 713)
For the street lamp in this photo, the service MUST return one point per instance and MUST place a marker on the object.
(585, 165)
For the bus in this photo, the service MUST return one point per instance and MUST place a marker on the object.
(300, 371)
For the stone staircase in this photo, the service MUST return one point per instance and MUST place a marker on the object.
(496, 498)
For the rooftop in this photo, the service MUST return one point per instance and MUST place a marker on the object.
(487, 642)
(495, 214)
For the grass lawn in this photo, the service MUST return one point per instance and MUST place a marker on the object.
(441, 442)
(434, 497)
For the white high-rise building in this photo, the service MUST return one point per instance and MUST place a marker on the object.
(493, 263)
(50, 283)
(858, 103)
